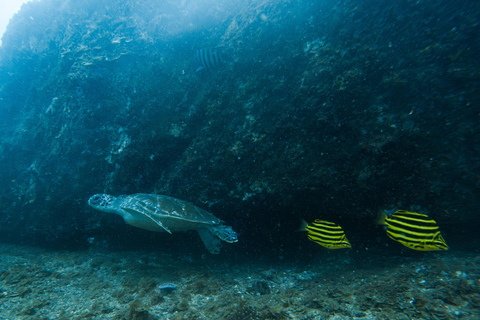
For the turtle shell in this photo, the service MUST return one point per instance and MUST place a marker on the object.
(167, 213)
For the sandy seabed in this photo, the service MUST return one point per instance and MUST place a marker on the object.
(100, 284)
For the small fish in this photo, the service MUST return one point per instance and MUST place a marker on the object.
(207, 58)
(326, 234)
(167, 288)
(414, 230)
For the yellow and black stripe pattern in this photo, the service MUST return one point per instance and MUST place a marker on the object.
(327, 234)
(414, 230)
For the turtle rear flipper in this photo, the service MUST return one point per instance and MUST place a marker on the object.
(212, 243)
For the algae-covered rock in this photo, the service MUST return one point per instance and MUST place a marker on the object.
(322, 109)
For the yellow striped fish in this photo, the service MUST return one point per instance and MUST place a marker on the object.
(414, 230)
(326, 234)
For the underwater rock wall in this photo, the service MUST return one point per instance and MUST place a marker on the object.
(339, 108)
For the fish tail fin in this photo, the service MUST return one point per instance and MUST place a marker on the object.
(303, 225)
(382, 215)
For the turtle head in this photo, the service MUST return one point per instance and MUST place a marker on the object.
(102, 202)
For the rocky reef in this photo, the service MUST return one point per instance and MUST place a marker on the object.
(332, 109)
(42, 284)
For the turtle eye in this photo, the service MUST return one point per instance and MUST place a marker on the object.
(105, 201)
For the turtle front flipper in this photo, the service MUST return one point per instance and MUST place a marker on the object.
(146, 208)
(146, 213)
(158, 223)
(212, 243)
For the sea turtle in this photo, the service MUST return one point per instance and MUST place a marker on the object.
(161, 213)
